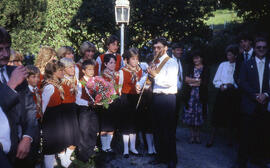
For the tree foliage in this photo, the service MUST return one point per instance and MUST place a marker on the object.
(33, 23)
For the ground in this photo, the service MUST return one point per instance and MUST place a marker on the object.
(189, 155)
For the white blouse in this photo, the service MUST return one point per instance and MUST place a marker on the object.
(224, 74)
(46, 95)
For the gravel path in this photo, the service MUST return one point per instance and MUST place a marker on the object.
(189, 155)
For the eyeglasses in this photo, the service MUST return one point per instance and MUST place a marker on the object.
(261, 47)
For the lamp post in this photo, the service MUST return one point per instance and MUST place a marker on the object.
(122, 14)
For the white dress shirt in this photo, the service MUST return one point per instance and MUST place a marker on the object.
(180, 72)
(46, 95)
(166, 79)
(5, 131)
(224, 74)
(250, 52)
(5, 74)
(144, 67)
(260, 66)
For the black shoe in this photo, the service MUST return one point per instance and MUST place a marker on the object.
(151, 154)
(126, 156)
(135, 154)
(171, 165)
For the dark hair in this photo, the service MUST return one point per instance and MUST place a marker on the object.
(149, 58)
(107, 58)
(5, 37)
(130, 53)
(111, 39)
(161, 40)
(51, 68)
(258, 39)
(196, 53)
(244, 36)
(233, 48)
(32, 70)
(177, 45)
(88, 62)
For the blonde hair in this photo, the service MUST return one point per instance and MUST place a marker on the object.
(86, 46)
(67, 62)
(15, 56)
(62, 51)
(45, 55)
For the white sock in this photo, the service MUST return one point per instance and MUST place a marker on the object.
(132, 143)
(126, 139)
(103, 139)
(49, 161)
(149, 140)
(68, 154)
(109, 140)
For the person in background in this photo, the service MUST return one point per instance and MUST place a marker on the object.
(112, 45)
(45, 55)
(196, 95)
(254, 84)
(226, 111)
(87, 52)
(129, 76)
(15, 58)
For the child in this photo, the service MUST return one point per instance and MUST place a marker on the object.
(87, 116)
(68, 52)
(59, 120)
(33, 78)
(107, 117)
(69, 84)
(112, 44)
(129, 76)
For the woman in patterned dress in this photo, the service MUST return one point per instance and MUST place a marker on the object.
(196, 88)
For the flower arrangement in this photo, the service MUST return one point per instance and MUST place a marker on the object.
(102, 92)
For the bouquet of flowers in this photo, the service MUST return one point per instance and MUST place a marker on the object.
(102, 92)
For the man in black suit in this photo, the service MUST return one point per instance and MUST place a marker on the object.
(18, 109)
(254, 82)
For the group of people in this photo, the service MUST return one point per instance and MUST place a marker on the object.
(47, 109)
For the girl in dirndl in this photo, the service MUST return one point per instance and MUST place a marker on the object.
(129, 76)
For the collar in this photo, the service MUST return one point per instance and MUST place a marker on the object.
(86, 78)
(3, 66)
(260, 60)
(163, 57)
(31, 88)
(249, 52)
(68, 77)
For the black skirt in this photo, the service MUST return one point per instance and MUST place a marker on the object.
(145, 121)
(226, 109)
(128, 113)
(107, 117)
(60, 128)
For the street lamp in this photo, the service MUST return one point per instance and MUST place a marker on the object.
(122, 14)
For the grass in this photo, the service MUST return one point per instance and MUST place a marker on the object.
(222, 17)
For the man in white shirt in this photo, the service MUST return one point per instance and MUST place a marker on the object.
(163, 104)
(254, 82)
(18, 112)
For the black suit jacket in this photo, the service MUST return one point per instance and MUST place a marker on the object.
(249, 84)
(20, 110)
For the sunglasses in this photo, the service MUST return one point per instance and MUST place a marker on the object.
(261, 47)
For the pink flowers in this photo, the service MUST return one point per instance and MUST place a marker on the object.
(102, 91)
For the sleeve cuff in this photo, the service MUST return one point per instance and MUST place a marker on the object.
(28, 137)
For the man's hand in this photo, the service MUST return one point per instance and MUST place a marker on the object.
(138, 89)
(261, 98)
(23, 147)
(17, 77)
(152, 71)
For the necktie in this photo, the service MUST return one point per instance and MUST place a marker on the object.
(38, 103)
(246, 56)
(4, 81)
(180, 70)
(260, 70)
